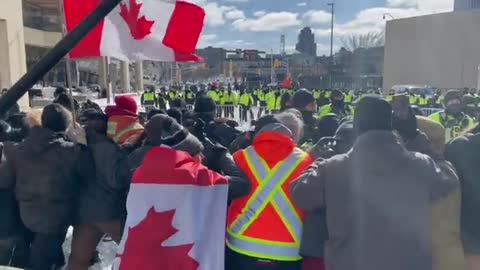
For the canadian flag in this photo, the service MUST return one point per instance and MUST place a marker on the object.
(176, 215)
(161, 30)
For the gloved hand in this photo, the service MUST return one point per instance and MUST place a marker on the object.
(199, 129)
(324, 148)
(406, 127)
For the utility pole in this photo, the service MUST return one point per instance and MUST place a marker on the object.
(331, 43)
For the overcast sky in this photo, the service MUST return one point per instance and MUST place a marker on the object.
(258, 24)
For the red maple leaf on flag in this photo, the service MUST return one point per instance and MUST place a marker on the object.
(144, 250)
(139, 27)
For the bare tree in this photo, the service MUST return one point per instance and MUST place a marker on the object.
(365, 41)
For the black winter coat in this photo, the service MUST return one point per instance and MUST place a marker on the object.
(464, 153)
(46, 170)
(217, 159)
(103, 198)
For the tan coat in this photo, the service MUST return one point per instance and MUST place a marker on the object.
(435, 132)
(447, 250)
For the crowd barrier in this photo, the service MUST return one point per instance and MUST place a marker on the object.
(429, 111)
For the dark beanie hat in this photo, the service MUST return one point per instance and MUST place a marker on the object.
(302, 98)
(64, 100)
(453, 94)
(336, 93)
(56, 118)
(93, 114)
(205, 104)
(372, 113)
(264, 121)
(162, 129)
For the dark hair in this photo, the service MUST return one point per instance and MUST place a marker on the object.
(56, 118)
(176, 114)
(59, 91)
(154, 112)
(178, 103)
(64, 100)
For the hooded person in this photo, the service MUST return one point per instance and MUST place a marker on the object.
(453, 117)
(304, 102)
(176, 206)
(164, 130)
(205, 110)
(464, 153)
(101, 208)
(123, 121)
(315, 233)
(74, 132)
(447, 249)
(337, 106)
(377, 196)
(245, 139)
(257, 234)
(47, 156)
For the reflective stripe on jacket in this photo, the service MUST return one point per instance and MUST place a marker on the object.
(121, 128)
(453, 127)
(265, 224)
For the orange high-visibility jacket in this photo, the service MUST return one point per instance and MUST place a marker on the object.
(265, 223)
(122, 127)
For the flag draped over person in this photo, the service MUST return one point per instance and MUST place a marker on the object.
(176, 218)
(137, 30)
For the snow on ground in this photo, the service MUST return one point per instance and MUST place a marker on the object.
(106, 250)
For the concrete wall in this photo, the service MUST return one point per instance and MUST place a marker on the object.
(39, 38)
(441, 50)
(12, 46)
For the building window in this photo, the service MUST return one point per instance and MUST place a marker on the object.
(41, 18)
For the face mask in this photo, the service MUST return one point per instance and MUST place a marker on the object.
(337, 103)
(454, 109)
(307, 116)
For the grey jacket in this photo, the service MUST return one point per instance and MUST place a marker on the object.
(377, 199)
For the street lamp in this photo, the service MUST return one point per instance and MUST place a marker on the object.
(389, 15)
(332, 4)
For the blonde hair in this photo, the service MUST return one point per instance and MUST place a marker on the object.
(33, 118)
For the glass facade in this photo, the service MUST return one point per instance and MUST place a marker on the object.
(41, 17)
(466, 4)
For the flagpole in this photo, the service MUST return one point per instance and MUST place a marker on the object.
(47, 62)
(68, 67)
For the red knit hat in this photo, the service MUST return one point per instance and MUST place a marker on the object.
(126, 103)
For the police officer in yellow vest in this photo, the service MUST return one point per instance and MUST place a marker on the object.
(148, 98)
(317, 94)
(348, 97)
(262, 101)
(337, 106)
(390, 95)
(189, 96)
(453, 118)
(439, 97)
(213, 94)
(422, 100)
(412, 99)
(172, 94)
(246, 102)
(228, 99)
(270, 100)
(328, 93)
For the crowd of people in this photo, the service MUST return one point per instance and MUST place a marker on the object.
(337, 183)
